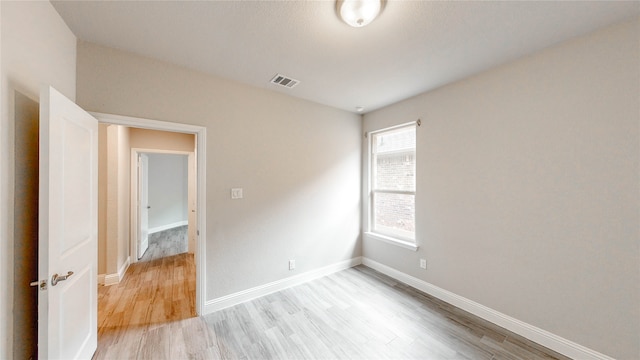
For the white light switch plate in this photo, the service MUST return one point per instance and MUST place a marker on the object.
(236, 193)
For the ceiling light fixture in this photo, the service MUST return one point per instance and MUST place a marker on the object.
(358, 13)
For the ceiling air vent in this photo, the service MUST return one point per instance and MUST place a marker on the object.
(284, 81)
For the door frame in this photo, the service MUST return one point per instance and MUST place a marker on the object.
(200, 133)
(135, 209)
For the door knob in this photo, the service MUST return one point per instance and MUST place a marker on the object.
(148, 207)
(55, 279)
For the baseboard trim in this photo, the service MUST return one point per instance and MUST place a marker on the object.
(262, 290)
(535, 334)
(168, 226)
(110, 279)
(115, 278)
(123, 269)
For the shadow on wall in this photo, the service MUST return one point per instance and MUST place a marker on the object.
(25, 255)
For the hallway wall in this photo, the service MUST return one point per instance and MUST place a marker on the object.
(168, 191)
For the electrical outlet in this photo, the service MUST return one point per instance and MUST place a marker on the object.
(423, 263)
(292, 264)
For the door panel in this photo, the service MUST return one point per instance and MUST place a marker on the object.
(77, 218)
(67, 311)
(74, 325)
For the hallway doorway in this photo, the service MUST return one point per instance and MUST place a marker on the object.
(166, 283)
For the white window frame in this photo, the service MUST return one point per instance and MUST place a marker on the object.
(389, 237)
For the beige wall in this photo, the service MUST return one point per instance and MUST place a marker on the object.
(297, 161)
(124, 196)
(37, 48)
(162, 140)
(113, 190)
(527, 194)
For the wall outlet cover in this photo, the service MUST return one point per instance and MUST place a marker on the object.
(236, 193)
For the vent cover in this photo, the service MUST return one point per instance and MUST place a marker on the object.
(282, 80)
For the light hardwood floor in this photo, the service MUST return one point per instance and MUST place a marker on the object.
(153, 297)
(353, 314)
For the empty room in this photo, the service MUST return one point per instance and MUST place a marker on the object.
(351, 179)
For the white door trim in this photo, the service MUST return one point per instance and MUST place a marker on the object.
(201, 143)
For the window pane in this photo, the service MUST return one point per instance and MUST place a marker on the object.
(394, 214)
(395, 171)
(395, 140)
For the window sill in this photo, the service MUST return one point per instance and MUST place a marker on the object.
(393, 241)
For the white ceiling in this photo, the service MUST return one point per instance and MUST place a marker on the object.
(414, 46)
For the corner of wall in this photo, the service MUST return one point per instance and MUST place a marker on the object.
(535, 334)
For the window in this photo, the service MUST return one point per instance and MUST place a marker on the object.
(392, 176)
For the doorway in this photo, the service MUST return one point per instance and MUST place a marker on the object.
(198, 169)
(154, 293)
(163, 203)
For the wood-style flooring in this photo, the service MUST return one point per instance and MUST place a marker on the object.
(353, 314)
(157, 291)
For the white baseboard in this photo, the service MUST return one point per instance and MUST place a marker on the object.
(262, 290)
(535, 334)
(123, 268)
(168, 226)
(111, 279)
(115, 278)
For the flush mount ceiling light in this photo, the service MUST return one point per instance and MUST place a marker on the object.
(359, 13)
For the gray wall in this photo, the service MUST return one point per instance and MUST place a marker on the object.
(527, 194)
(298, 163)
(168, 175)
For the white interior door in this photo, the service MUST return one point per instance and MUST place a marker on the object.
(68, 229)
(143, 204)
